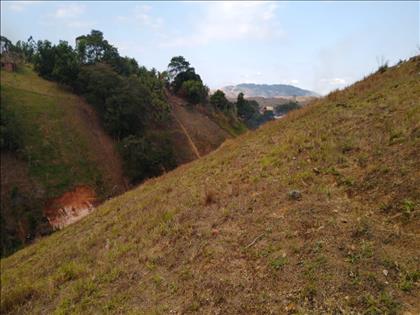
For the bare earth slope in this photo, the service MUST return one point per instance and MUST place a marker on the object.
(226, 235)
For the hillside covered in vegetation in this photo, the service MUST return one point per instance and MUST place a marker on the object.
(87, 121)
(52, 141)
(315, 213)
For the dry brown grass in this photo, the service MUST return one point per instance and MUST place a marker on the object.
(349, 245)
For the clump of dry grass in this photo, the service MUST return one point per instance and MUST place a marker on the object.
(209, 197)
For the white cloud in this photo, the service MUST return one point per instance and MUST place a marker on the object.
(142, 16)
(294, 81)
(69, 11)
(69, 15)
(231, 21)
(19, 5)
(334, 81)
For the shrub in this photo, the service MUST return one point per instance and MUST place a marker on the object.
(219, 100)
(9, 130)
(194, 91)
(146, 156)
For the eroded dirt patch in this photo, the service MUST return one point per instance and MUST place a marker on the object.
(70, 207)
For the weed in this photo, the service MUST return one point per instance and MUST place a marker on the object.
(408, 205)
(318, 246)
(313, 267)
(309, 291)
(383, 304)
(395, 137)
(186, 274)
(16, 297)
(366, 251)
(383, 66)
(67, 272)
(362, 229)
(167, 216)
(157, 280)
(408, 279)
(278, 263)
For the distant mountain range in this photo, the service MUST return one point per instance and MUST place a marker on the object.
(265, 90)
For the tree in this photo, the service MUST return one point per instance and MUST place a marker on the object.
(146, 156)
(194, 91)
(246, 109)
(188, 75)
(10, 138)
(177, 65)
(97, 83)
(5, 44)
(219, 100)
(44, 60)
(66, 65)
(128, 108)
(94, 48)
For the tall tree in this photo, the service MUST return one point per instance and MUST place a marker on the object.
(177, 65)
(94, 48)
(66, 66)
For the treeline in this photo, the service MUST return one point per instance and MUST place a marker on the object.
(184, 81)
(129, 98)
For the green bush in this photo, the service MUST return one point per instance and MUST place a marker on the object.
(219, 100)
(146, 156)
(10, 139)
(194, 91)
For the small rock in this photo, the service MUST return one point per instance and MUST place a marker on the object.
(385, 272)
(215, 232)
(295, 195)
(316, 171)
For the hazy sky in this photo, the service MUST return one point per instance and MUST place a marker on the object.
(319, 46)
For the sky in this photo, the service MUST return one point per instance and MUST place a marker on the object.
(320, 46)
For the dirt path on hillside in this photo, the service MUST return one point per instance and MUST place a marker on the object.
(196, 131)
(174, 102)
(190, 141)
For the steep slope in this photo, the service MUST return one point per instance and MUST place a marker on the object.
(316, 213)
(62, 146)
(265, 90)
(195, 130)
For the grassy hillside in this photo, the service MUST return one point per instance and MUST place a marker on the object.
(316, 213)
(207, 129)
(61, 145)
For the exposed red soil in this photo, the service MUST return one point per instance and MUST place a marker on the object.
(70, 207)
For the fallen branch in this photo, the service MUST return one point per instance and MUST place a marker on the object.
(255, 240)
